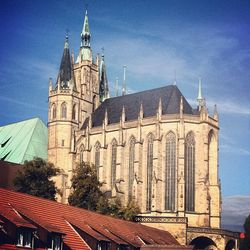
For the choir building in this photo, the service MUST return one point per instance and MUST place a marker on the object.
(151, 147)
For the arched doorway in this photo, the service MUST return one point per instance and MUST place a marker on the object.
(203, 243)
(230, 245)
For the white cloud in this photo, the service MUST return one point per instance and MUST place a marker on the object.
(234, 211)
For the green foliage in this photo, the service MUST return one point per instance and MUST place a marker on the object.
(115, 208)
(87, 194)
(34, 179)
(86, 188)
(245, 243)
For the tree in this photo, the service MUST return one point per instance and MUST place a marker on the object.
(245, 243)
(86, 188)
(35, 179)
(87, 194)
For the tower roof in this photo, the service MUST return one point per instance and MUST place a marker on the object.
(65, 71)
(85, 28)
(104, 89)
(170, 97)
(23, 141)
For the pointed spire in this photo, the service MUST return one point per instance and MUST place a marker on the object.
(85, 35)
(215, 115)
(85, 50)
(103, 85)
(106, 117)
(116, 86)
(124, 80)
(200, 99)
(123, 116)
(141, 112)
(159, 111)
(181, 107)
(65, 71)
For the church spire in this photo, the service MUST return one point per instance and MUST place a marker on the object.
(85, 35)
(85, 50)
(200, 99)
(104, 89)
(65, 71)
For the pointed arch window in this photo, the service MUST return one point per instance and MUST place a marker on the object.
(53, 111)
(74, 112)
(131, 171)
(81, 153)
(63, 110)
(170, 172)
(113, 162)
(190, 172)
(97, 158)
(149, 171)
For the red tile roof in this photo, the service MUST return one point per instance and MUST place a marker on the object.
(57, 217)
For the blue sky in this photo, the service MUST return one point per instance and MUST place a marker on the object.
(155, 39)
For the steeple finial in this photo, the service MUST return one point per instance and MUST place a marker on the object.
(124, 80)
(200, 99)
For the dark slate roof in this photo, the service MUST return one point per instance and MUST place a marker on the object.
(65, 70)
(170, 97)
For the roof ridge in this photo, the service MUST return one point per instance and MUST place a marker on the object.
(143, 91)
(25, 120)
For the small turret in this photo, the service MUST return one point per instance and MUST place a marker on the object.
(141, 112)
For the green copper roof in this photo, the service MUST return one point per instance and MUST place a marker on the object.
(23, 141)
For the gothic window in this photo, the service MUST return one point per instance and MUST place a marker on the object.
(149, 171)
(53, 108)
(63, 110)
(74, 112)
(131, 167)
(113, 162)
(97, 158)
(170, 171)
(81, 153)
(190, 172)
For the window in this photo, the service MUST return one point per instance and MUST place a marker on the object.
(149, 171)
(24, 238)
(74, 112)
(103, 245)
(63, 110)
(131, 168)
(113, 162)
(97, 158)
(170, 171)
(189, 172)
(53, 108)
(81, 153)
(54, 242)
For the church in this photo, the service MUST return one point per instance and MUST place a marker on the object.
(151, 147)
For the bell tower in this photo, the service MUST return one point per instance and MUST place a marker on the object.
(73, 98)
